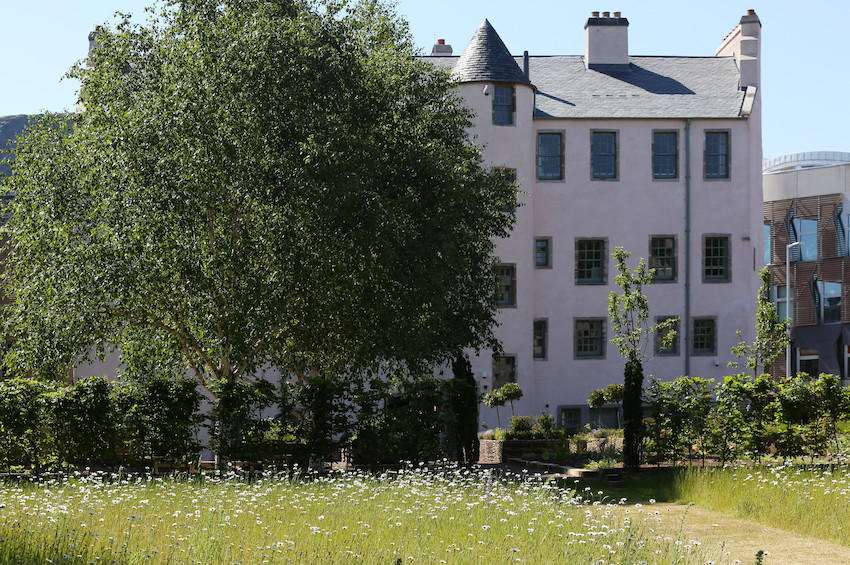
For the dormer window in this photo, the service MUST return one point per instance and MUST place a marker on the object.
(504, 105)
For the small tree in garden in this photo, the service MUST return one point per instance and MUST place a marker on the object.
(629, 314)
(511, 392)
(494, 399)
(614, 395)
(771, 333)
(596, 400)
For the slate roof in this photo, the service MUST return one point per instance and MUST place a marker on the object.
(10, 127)
(487, 59)
(649, 87)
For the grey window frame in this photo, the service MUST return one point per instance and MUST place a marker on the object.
(573, 408)
(512, 303)
(803, 251)
(727, 278)
(511, 105)
(548, 241)
(675, 259)
(603, 261)
(616, 154)
(512, 377)
(727, 156)
(786, 300)
(675, 175)
(538, 156)
(674, 350)
(545, 347)
(694, 321)
(602, 337)
(821, 301)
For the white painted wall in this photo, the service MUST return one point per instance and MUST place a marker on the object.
(626, 212)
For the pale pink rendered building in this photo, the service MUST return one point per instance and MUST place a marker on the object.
(660, 155)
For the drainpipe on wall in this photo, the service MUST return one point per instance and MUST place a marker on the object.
(686, 323)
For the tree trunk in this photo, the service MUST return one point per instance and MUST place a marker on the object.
(632, 413)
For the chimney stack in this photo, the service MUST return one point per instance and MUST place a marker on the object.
(440, 49)
(606, 40)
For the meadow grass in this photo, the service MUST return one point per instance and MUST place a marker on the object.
(412, 516)
(810, 501)
(813, 501)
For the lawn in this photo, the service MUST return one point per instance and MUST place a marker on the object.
(413, 516)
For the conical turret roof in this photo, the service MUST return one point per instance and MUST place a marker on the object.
(486, 59)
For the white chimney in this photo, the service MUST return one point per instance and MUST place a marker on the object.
(606, 40)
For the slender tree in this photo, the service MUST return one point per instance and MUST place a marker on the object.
(771, 333)
(628, 311)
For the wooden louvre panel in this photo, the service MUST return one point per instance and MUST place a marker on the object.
(828, 203)
(831, 269)
(807, 207)
(777, 274)
(779, 210)
(845, 291)
(777, 370)
(804, 304)
(779, 234)
(828, 240)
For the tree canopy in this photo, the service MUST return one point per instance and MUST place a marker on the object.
(255, 183)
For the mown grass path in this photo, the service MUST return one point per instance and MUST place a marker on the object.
(743, 538)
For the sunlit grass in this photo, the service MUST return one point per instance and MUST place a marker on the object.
(414, 516)
(813, 502)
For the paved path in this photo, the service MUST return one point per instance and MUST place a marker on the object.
(743, 538)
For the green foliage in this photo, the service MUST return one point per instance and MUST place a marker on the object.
(24, 427)
(771, 333)
(628, 311)
(510, 392)
(596, 398)
(546, 423)
(84, 422)
(614, 393)
(406, 425)
(809, 413)
(520, 424)
(679, 422)
(745, 408)
(255, 184)
(495, 399)
(158, 416)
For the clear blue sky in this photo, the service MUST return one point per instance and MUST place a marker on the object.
(805, 49)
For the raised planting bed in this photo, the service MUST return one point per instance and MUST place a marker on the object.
(494, 451)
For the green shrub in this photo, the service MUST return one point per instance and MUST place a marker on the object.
(545, 424)
(158, 417)
(84, 422)
(25, 437)
(520, 424)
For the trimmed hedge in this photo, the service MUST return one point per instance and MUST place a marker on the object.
(95, 421)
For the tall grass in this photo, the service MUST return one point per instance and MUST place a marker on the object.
(413, 516)
(813, 501)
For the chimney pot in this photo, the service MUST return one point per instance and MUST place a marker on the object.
(617, 14)
(606, 14)
(751, 12)
(594, 14)
(441, 42)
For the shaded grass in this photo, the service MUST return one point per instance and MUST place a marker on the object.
(415, 516)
